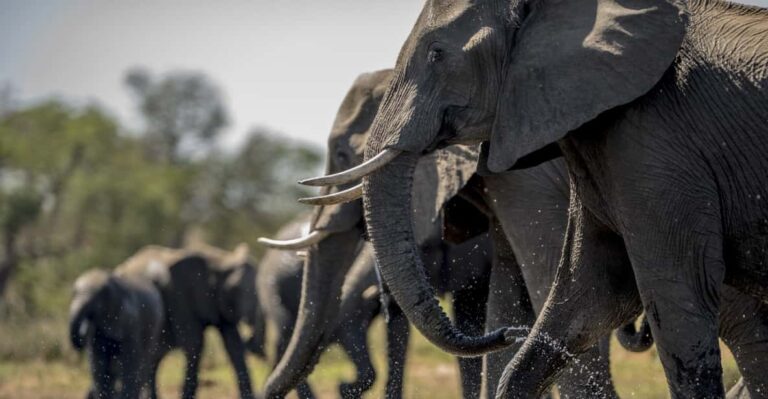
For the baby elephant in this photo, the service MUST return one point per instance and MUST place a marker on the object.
(118, 319)
(203, 287)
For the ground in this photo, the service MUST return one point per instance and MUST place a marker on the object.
(430, 372)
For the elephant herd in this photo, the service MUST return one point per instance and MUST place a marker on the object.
(559, 167)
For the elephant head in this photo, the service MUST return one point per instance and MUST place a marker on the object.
(97, 299)
(336, 230)
(516, 76)
(333, 239)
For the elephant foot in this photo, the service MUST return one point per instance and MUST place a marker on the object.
(354, 390)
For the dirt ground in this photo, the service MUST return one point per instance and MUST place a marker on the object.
(430, 374)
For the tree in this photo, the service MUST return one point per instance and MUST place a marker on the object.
(41, 149)
(183, 113)
(252, 192)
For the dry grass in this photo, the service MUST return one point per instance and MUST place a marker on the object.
(430, 372)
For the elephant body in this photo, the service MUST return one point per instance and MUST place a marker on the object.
(330, 259)
(119, 321)
(279, 289)
(200, 288)
(658, 109)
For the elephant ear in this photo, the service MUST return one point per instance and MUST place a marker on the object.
(573, 60)
(438, 177)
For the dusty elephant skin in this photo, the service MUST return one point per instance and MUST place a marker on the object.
(279, 289)
(531, 207)
(118, 320)
(659, 109)
(202, 287)
(329, 260)
(534, 216)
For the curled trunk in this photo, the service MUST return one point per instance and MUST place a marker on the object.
(635, 340)
(388, 216)
(320, 300)
(79, 325)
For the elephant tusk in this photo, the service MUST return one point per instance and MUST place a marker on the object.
(347, 195)
(298, 243)
(356, 173)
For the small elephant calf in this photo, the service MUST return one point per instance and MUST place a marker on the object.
(118, 319)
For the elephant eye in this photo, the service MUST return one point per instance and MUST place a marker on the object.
(435, 55)
(342, 158)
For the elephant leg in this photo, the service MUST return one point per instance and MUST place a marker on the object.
(152, 377)
(744, 328)
(589, 375)
(679, 271)
(355, 345)
(101, 354)
(593, 293)
(130, 365)
(233, 343)
(508, 305)
(398, 332)
(469, 306)
(284, 332)
(193, 350)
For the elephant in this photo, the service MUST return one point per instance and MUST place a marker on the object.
(336, 235)
(547, 188)
(202, 287)
(658, 111)
(118, 320)
(279, 289)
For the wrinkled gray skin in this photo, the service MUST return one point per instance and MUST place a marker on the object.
(329, 261)
(279, 289)
(118, 321)
(659, 109)
(203, 287)
(531, 210)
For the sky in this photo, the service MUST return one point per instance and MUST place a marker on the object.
(281, 64)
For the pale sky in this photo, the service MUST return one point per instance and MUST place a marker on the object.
(283, 64)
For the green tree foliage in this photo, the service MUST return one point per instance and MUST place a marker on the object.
(183, 112)
(77, 191)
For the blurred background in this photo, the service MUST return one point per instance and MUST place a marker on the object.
(131, 123)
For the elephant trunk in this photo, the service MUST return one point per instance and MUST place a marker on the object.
(79, 325)
(388, 210)
(255, 343)
(635, 340)
(533, 369)
(320, 300)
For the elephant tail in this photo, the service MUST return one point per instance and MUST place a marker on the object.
(635, 340)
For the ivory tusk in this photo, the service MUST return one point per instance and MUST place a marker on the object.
(356, 173)
(347, 195)
(297, 243)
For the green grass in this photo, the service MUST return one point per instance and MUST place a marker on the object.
(44, 367)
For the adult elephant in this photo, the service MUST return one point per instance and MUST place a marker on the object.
(659, 110)
(203, 287)
(336, 235)
(118, 320)
(279, 290)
